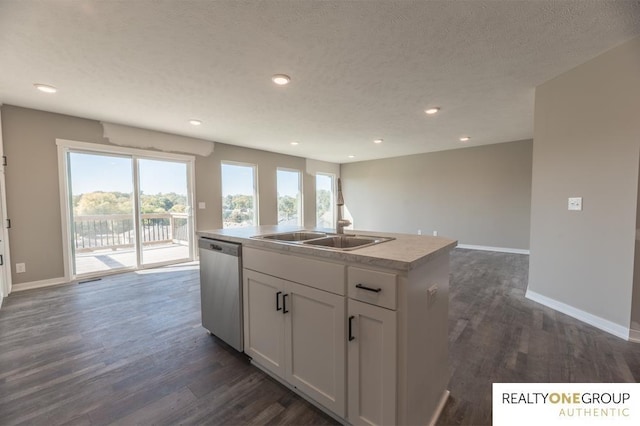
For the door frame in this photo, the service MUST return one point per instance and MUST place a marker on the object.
(64, 146)
(5, 268)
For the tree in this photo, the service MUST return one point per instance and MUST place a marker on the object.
(237, 208)
(323, 201)
(287, 208)
(100, 203)
(103, 203)
(163, 203)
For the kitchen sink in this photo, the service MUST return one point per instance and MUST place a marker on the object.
(324, 240)
(346, 242)
(293, 236)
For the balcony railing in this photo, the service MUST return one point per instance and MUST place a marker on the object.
(117, 231)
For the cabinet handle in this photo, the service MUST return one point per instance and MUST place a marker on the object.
(278, 307)
(351, 336)
(284, 303)
(364, 287)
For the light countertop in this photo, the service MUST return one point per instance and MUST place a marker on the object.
(405, 252)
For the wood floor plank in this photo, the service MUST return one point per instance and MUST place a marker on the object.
(158, 410)
(508, 338)
(129, 349)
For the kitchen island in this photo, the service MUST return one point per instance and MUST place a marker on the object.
(362, 332)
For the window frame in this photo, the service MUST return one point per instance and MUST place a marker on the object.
(334, 180)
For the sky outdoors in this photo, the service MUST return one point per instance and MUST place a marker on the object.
(91, 172)
(288, 183)
(324, 182)
(239, 179)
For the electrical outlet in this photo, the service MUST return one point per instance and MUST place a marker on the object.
(575, 203)
(435, 233)
(20, 268)
(419, 231)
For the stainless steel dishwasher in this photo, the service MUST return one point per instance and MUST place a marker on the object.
(221, 290)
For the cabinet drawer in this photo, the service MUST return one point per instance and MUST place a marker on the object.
(377, 288)
(319, 274)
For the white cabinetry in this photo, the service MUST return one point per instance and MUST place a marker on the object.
(368, 344)
(397, 360)
(297, 332)
(372, 364)
(264, 320)
(315, 345)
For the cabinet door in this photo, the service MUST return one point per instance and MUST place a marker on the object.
(372, 364)
(264, 320)
(315, 345)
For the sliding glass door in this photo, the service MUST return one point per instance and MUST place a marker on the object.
(102, 212)
(165, 227)
(127, 211)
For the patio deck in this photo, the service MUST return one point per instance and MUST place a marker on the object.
(111, 259)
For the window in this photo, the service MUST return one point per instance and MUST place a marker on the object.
(325, 201)
(239, 199)
(289, 197)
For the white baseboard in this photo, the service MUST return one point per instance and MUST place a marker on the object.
(601, 323)
(440, 407)
(498, 249)
(1, 299)
(39, 284)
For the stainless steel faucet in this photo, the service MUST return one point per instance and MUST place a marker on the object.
(340, 222)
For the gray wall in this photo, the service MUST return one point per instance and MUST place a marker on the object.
(586, 142)
(635, 301)
(208, 182)
(479, 195)
(33, 199)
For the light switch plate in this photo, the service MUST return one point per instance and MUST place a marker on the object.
(202, 205)
(575, 203)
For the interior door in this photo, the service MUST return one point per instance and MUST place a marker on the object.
(5, 264)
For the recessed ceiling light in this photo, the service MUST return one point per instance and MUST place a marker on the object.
(45, 88)
(351, 156)
(294, 143)
(465, 139)
(281, 79)
(432, 111)
(194, 122)
(378, 141)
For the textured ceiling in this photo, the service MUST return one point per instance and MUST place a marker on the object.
(360, 70)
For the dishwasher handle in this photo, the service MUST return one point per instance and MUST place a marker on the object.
(224, 247)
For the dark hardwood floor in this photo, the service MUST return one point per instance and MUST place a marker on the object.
(496, 335)
(129, 349)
